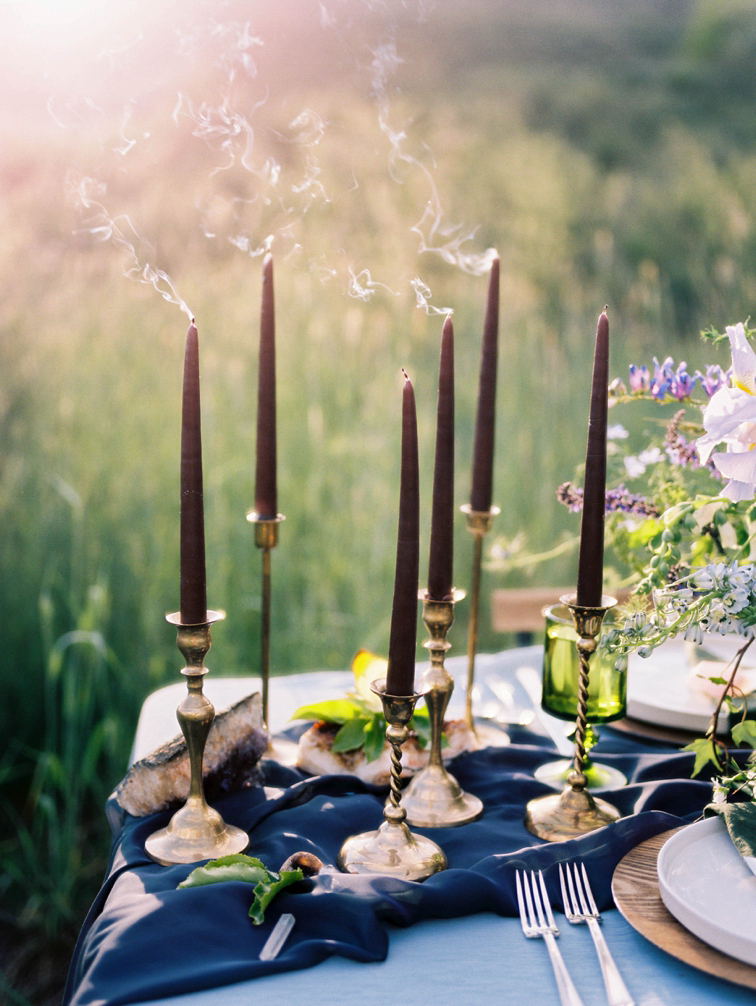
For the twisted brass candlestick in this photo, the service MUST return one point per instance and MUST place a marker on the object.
(393, 848)
(266, 538)
(434, 798)
(573, 812)
(478, 524)
(196, 831)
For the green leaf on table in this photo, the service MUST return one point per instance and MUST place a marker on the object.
(745, 733)
(265, 891)
(704, 751)
(247, 870)
(331, 710)
(420, 723)
(375, 738)
(227, 868)
(351, 736)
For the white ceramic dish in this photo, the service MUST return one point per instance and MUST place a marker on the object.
(707, 886)
(659, 688)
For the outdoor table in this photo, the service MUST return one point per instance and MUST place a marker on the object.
(466, 958)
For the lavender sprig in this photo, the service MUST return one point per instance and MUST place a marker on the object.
(616, 499)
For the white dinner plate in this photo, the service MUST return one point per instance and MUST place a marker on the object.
(707, 886)
(660, 691)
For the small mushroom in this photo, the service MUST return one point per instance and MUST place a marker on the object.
(305, 861)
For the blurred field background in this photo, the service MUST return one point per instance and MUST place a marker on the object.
(606, 149)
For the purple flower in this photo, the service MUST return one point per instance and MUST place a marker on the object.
(616, 499)
(639, 378)
(682, 384)
(680, 450)
(714, 379)
(663, 377)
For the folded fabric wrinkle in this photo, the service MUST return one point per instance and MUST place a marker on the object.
(139, 902)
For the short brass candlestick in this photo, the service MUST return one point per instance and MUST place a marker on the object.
(478, 524)
(393, 849)
(266, 539)
(573, 812)
(434, 798)
(196, 831)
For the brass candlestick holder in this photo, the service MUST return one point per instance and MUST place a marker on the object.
(266, 539)
(393, 849)
(573, 812)
(478, 524)
(434, 798)
(196, 831)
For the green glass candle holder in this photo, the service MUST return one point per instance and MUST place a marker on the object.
(607, 695)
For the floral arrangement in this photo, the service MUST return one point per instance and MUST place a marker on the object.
(690, 537)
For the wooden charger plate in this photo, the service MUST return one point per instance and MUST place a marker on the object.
(635, 887)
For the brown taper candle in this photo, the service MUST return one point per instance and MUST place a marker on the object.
(482, 474)
(400, 678)
(591, 561)
(266, 500)
(441, 561)
(193, 581)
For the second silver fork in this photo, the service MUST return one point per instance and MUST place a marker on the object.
(537, 919)
(579, 906)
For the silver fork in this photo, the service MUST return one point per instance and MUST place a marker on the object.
(535, 923)
(580, 906)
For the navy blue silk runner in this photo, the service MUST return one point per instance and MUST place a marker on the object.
(143, 939)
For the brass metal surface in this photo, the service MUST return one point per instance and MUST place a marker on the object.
(434, 798)
(561, 816)
(196, 831)
(479, 523)
(393, 849)
(266, 538)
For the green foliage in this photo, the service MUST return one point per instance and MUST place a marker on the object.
(706, 753)
(361, 726)
(247, 870)
(745, 733)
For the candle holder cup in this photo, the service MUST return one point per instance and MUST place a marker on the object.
(574, 811)
(393, 849)
(479, 523)
(196, 831)
(434, 798)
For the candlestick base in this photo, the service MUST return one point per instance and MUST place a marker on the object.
(573, 812)
(434, 798)
(478, 524)
(393, 849)
(196, 831)
(559, 817)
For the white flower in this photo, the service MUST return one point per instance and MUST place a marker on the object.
(633, 466)
(694, 633)
(617, 432)
(730, 418)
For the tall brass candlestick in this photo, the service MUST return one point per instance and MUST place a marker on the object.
(434, 798)
(559, 817)
(393, 849)
(266, 538)
(478, 524)
(196, 831)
